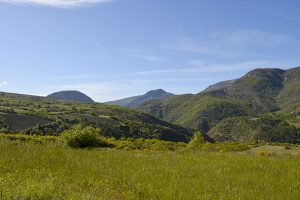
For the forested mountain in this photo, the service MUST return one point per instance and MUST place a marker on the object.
(135, 101)
(48, 116)
(71, 96)
(259, 91)
(266, 127)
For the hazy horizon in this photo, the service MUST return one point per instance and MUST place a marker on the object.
(112, 49)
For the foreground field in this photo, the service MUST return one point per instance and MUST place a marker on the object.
(53, 171)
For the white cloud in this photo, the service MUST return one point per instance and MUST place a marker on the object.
(118, 89)
(237, 43)
(200, 66)
(98, 45)
(211, 46)
(57, 3)
(254, 37)
(150, 58)
(106, 91)
(275, 12)
(99, 91)
(3, 83)
(77, 77)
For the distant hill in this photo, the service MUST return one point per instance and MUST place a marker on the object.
(71, 96)
(259, 91)
(49, 116)
(135, 101)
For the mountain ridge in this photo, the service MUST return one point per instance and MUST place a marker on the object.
(135, 101)
(259, 91)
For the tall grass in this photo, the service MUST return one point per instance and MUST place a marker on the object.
(53, 171)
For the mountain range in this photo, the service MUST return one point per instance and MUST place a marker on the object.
(262, 105)
(260, 91)
(135, 101)
(50, 116)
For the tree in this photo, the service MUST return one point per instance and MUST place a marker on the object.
(197, 141)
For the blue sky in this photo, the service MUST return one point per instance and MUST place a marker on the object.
(110, 49)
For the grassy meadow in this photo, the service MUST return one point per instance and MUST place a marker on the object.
(52, 170)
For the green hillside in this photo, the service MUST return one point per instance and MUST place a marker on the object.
(259, 91)
(199, 112)
(47, 116)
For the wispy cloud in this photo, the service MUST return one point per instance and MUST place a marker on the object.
(57, 3)
(241, 42)
(200, 47)
(3, 83)
(99, 91)
(275, 12)
(254, 37)
(200, 66)
(150, 58)
(97, 44)
(117, 89)
(76, 77)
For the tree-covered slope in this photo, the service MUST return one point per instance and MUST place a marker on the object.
(47, 116)
(259, 91)
(266, 128)
(200, 112)
(260, 87)
(135, 101)
(288, 98)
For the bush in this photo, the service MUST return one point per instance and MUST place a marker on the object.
(263, 152)
(197, 141)
(79, 137)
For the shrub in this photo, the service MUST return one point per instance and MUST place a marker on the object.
(263, 152)
(197, 141)
(79, 137)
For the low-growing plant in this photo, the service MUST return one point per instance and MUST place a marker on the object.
(29, 138)
(149, 144)
(263, 152)
(87, 137)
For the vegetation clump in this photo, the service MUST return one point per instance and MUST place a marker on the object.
(197, 141)
(87, 137)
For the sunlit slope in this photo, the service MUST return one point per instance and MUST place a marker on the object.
(46, 116)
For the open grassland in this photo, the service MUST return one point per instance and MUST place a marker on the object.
(31, 170)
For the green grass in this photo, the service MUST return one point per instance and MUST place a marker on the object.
(54, 171)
